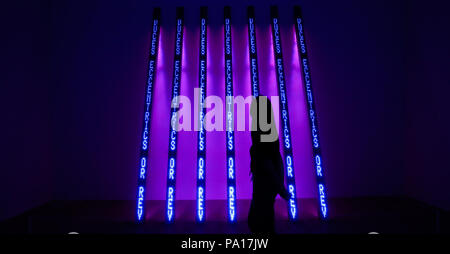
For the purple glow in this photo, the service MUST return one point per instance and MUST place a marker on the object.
(216, 154)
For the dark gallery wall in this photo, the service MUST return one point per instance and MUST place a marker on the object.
(99, 58)
(428, 85)
(357, 53)
(26, 173)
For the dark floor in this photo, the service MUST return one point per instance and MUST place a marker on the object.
(355, 215)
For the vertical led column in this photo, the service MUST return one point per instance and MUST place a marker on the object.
(253, 58)
(230, 165)
(201, 148)
(144, 145)
(287, 144)
(176, 82)
(317, 157)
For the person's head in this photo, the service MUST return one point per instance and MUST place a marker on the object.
(263, 121)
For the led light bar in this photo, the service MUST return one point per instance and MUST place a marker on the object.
(231, 165)
(287, 144)
(144, 145)
(253, 57)
(201, 148)
(317, 157)
(176, 85)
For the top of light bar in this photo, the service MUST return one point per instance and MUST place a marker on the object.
(201, 142)
(297, 10)
(282, 91)
(156, 13)
(251, 11)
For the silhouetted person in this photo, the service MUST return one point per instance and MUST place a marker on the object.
(266, 168)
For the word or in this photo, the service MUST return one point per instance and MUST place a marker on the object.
(230, 153)
(289, 164)
(318, 163)
(147, 109)
(201, 141)
(171, 167)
